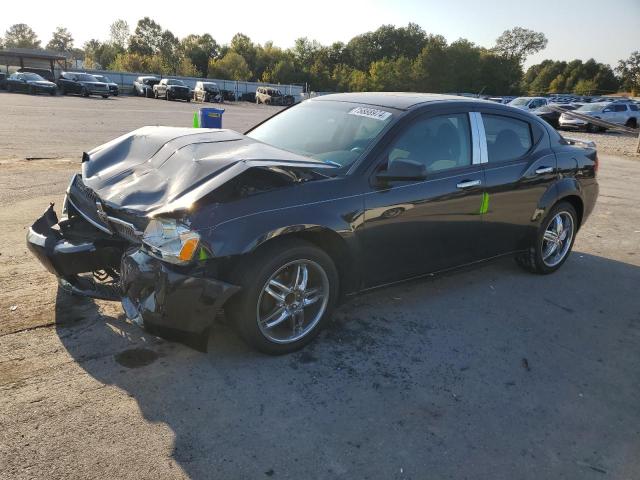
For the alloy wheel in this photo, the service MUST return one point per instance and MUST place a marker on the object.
(557, 238)
(292, 301)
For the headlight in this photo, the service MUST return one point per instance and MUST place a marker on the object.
(170, 240)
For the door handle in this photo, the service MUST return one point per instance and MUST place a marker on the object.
(543, 170)
(468, 183)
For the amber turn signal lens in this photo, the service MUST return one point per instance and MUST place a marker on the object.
(188, 249)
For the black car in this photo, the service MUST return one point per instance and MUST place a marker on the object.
(113, 87)
(333, 196)
(43, 72)
(143, 86)
(3, 81)
(30, 83)
(171, 89)
(82, 84)
(551, 113)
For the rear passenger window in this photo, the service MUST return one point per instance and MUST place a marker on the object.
(441, 143)
(619, 108)
(507, 138)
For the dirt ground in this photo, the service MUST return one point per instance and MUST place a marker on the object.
(483, 373)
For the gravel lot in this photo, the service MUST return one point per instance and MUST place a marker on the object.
(484, 373)
(610, 142)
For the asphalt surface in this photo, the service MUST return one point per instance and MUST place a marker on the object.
(483, 373)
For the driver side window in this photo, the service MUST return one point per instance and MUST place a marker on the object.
(440, 143)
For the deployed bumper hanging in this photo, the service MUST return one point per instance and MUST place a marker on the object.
(152, 292)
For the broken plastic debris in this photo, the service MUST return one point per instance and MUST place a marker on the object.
(13, 308)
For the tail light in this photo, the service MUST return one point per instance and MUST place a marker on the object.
(596, 163)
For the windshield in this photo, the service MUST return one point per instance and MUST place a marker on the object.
(520, 101)
(210, 86)
(33, 77)
(175, 82)
(591, 107)
(83, 77)
(103, 78)
(334, 132)
(150, 81)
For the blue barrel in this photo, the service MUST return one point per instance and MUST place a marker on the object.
(210, 117)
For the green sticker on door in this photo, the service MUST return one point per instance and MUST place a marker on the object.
(484, 206)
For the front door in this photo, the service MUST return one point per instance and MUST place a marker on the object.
(416, 227)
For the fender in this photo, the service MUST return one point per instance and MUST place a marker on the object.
(564, 187)
(241, 235)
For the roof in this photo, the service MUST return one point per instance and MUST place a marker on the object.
(31, 53)
(398, 100)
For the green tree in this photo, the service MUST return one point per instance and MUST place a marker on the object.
(243, 46)
(431, 68)
(119, 34)
(232, 66)
(61, 41)
(200, 49)
(629, 71)
(147, 37)
(519, 43)
(391, 75)
(21, 35)
(585, 87)
(100, 55)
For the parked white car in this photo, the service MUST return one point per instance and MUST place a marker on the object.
(528, 103)
(622, 113)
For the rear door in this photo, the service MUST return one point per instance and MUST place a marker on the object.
(416, 227)
(520, 168)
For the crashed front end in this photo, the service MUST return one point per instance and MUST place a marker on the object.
(101, 256)
(137, 223)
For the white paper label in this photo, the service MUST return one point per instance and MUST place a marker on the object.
(370, 113)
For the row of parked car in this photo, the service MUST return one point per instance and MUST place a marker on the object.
(204, 91)
(36, 81)
(619, 111)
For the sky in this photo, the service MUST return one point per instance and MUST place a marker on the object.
(606, 31)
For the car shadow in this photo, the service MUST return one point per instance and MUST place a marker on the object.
(484, 373)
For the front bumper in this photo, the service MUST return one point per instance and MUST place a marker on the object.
(153, 293)
(179, 94)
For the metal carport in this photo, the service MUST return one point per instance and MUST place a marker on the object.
(30, 58)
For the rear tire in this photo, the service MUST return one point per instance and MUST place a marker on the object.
(631, 123)
(538, 259)
(282, 260)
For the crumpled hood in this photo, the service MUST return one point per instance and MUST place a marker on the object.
(167, 167)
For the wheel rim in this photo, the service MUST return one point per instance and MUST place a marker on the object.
(557, 239)
(292, 301)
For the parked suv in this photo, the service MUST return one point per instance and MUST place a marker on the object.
(82, 84)
(171, 89)
(113, 87)
(269, 96)
(143, 86)
(207, 92)
(622, 113)
(528, 103)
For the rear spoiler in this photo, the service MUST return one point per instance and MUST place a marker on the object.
(580, 143)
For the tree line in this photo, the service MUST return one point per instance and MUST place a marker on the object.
(388, 59)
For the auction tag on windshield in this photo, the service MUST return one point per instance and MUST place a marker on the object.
(370, 113)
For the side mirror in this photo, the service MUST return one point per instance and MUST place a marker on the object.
(403, 169)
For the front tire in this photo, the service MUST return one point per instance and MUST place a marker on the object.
(553, 242)
(289, 289)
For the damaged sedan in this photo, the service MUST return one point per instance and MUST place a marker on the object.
(328, 198)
